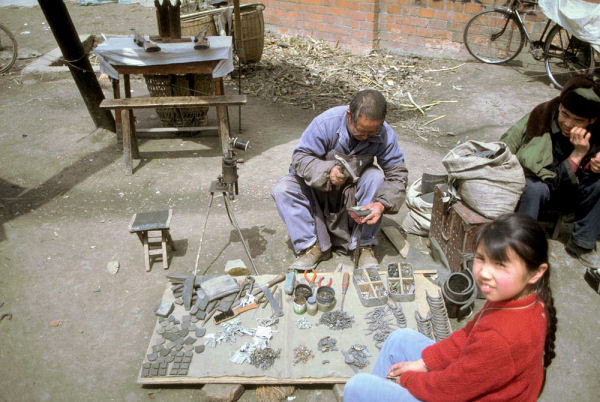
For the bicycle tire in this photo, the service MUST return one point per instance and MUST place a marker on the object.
(479, 36)
(8, 51)
(566, 56)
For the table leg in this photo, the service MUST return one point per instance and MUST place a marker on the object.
(222, 117)
(134, 144)
(117, 95)
(125, 115)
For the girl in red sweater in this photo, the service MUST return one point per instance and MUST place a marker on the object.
(502, 353)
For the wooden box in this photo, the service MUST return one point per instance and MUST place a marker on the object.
(453, 229)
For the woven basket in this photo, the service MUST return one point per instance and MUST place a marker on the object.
(253, 33)
(192, 24)
(181, 85)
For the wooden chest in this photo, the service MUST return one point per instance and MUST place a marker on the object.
(453, 230)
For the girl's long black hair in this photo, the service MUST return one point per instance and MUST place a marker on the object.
(527, 239)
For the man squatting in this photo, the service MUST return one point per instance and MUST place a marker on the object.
(312, 198)
(558, 145)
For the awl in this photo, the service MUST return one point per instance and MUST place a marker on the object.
(345, 282)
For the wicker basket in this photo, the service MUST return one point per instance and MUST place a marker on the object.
(194, 23)
(253, 33)
(181, 85)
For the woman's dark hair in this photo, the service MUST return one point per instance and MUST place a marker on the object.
(523, 235)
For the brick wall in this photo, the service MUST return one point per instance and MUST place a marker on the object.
(420, 27)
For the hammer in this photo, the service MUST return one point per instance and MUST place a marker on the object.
(347, 169)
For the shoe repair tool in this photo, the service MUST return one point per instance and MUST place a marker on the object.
(345, 282)
(347, 170)
(139, 40)
(228, 315)
(311, 282)
(201, 41)
(227, 185)
(277, 312)
(258, 292)
(231, 313)
(290, 282)
(356, 213)
(321, 280)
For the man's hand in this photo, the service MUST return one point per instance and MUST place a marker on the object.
(336, 176)
(376, 212)
(595, 163)
(400, 368)
(580, 138)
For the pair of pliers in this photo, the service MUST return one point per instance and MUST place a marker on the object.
(321, 280)
(311, 282)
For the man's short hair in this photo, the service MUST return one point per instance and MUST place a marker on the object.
(581, 96)
(369, 104)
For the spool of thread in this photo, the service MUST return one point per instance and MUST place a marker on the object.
(311, 305)
(299, 304)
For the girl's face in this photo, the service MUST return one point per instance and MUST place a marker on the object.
(503, 280)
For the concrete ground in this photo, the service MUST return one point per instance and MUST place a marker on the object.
(80, 333)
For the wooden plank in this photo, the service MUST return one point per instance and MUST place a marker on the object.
(201, 67)
(203, 371)
(173, 101)
(396, 238)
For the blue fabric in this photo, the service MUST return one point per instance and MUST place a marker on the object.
(400, 346)
(328, 132)
(584, 202)
(295, 199)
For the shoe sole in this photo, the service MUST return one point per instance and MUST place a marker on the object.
(324, 257)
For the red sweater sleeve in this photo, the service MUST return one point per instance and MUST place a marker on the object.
(439, 355)
(486, 352)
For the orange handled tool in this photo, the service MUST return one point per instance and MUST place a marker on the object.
(345, 281)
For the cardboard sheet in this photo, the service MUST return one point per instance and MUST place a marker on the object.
(213, 365)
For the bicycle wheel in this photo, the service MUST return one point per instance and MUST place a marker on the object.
(566, 56)
(8, 49)
(494, 36)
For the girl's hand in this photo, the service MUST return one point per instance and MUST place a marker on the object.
(400, 368)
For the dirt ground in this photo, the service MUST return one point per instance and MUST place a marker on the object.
(79, 332)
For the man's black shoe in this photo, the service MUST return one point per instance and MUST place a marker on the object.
(592, 277)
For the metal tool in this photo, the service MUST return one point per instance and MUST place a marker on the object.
(148, 45)
(346, 168)
(290, 282)
(311, 282)
(321, 280)
(345, 282)
(355, 213)
(277, 311)
(201, 41)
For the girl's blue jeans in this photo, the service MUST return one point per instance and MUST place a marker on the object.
(400, 346)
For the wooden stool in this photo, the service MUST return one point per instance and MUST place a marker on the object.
(153, 230)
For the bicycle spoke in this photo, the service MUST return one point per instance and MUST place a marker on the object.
(493, 37)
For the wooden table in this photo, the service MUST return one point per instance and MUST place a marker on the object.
(131, 64)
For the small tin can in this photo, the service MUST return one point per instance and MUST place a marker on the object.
(299, 304)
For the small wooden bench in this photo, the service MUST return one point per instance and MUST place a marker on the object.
(126, 106)
(152, 229)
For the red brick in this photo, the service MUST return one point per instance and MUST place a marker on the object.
(418, 22)
(425, 13)
(365, 25)
(424, 32)
(311, 2)
(438, 24)
(437, 4)
(394, 29)
(473, 8)
(394, 9)
(408, 30)
(461, 17)
(456, 27)
(458, 6)
(440, 34)
(442, 15)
